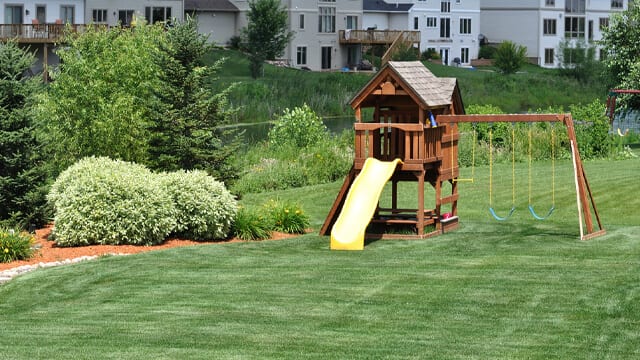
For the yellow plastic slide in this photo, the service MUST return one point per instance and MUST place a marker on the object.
(361, 202)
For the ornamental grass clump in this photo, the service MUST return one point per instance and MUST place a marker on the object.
(250, 224)
(287, 217)
(102, 201)
(15, 245)
(205, 209)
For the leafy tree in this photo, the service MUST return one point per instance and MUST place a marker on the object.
(510, 57)
(621, 42)
(103, 99)
(187, 135)
(21, 178)
(266, 34)
(578, 60)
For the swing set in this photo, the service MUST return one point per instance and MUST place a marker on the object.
(584, 199)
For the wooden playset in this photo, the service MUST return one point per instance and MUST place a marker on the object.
(414, 120)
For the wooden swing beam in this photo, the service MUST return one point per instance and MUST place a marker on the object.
(584, 198)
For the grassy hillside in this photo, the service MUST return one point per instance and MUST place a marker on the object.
(521, 289)
(329, 93)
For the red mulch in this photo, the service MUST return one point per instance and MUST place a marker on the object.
(51, 253)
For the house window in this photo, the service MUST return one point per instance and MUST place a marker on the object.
(156, 14)
(326, 57)
(548, 56)
(549, 27)
(464, 55)
(301, 55)
(574, 6)
(574, 27)
(465, 26)
(125, 17)
(327, 19)
(617, 4)
(416, 23)
(41, 14)
(550, 3)
(432, 22)
(13, 14)
(99, 15)
(301, 22)
(445, 28)
(603, 23)
(445, 6)
(352, 22)
(66, 14)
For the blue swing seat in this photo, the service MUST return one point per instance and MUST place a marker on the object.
(538, 217)
(493, 213)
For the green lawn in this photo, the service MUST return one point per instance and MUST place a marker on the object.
(521, 289)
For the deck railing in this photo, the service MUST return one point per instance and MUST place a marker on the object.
(376, 36)
(37, 33)
(415, 144)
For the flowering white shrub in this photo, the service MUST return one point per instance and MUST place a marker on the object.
(205, 208)
(102, 201)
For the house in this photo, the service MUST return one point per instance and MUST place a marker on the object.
(218, 19)
(124, 12)
(543, 25)
(451, 28)
(39, 25)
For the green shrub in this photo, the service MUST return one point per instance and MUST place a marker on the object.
(15, 246)
(300, 127)
(205, 209)
(510, 57)
(251, 225)
(592, 129)
(271, 174)
(287, 217)
(104, 201)
(487, 52)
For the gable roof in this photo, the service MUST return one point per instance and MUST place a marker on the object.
(383, 6)
(427, 90)
(209, 5)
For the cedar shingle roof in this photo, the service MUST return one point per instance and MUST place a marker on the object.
(434, 91)
(209, 5)
(427, 89)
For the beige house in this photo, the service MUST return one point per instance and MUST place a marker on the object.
(114, 12)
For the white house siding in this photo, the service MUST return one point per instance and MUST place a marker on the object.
(314, 41)
(52, 10)
(523, 23)
(114, 7)
(454, 45)
(379, 21)
(219, 26)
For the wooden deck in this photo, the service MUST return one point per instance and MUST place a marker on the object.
(37, 33)
(381, 37)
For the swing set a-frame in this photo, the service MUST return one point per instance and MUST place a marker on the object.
(586, 205)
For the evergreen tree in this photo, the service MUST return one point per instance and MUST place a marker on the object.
(21, 178)
(188, 136)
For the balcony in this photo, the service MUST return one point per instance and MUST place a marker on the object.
(382, 37)
(37, 33)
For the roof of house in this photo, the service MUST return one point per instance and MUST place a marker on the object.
(381, 5)
(426, 89)
(209, 5)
